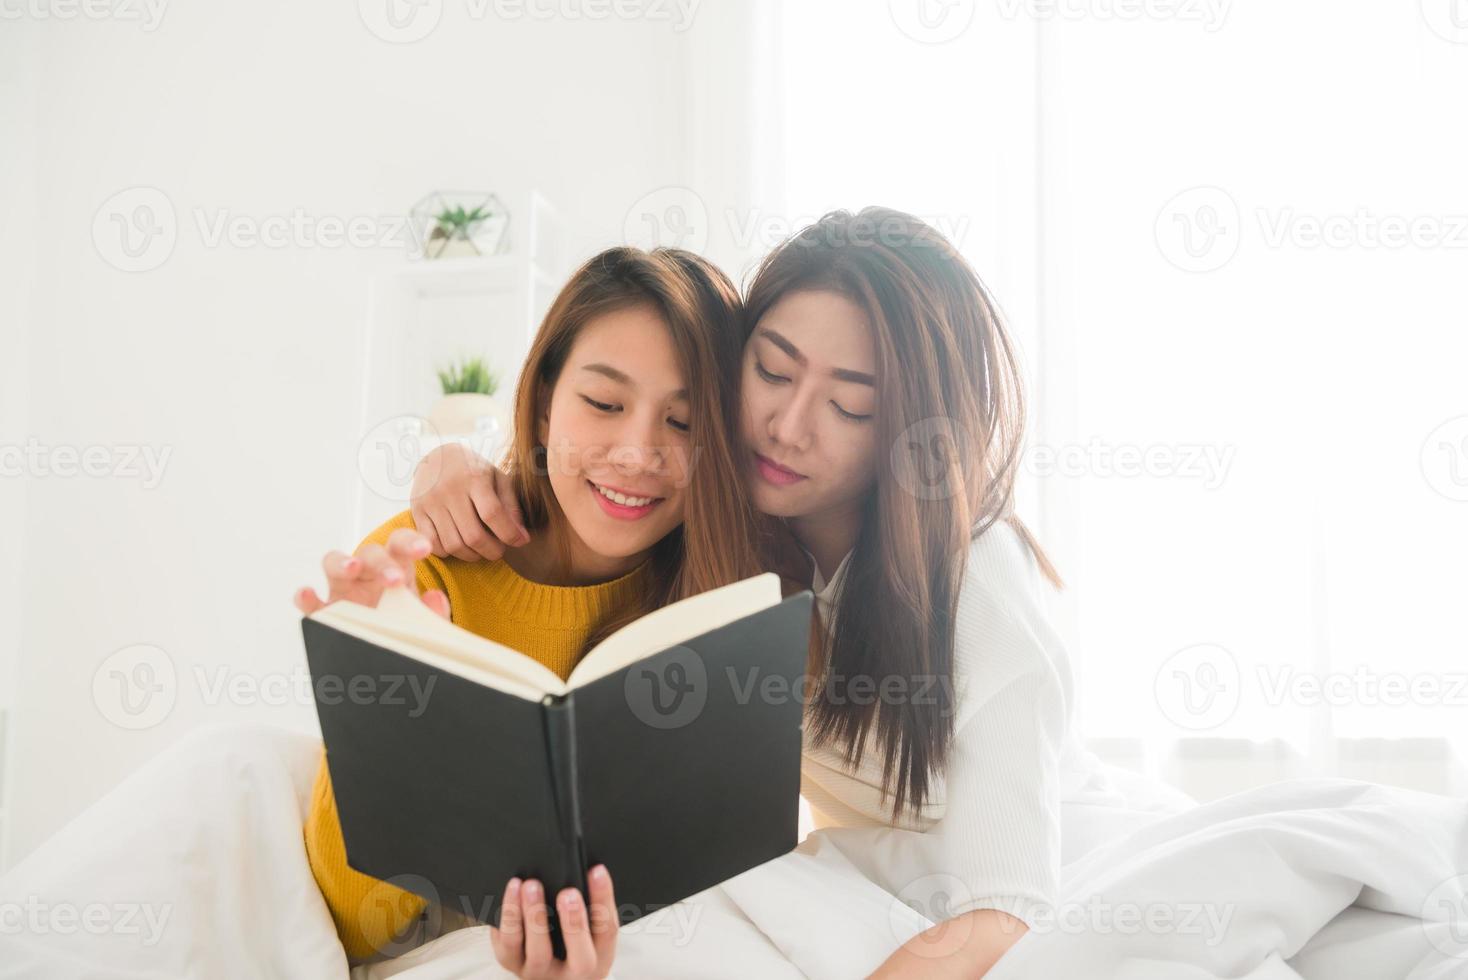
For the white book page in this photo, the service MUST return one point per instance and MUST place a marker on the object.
(675, 623)
(402, 623)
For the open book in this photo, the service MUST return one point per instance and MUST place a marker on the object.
(671, 754)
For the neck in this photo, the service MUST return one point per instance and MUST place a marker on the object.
(829, 535)
(540, 560)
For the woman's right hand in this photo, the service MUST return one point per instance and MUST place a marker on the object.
(522, 942)
(465, 506)
(363, 577)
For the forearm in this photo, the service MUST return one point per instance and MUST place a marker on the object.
(962, 948)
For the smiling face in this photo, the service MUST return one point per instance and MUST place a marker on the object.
(615, 428)
(809, 405)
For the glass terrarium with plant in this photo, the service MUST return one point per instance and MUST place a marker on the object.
(456, 224)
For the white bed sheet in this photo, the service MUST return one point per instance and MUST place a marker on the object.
(1324, 879)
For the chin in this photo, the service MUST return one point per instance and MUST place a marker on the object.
(774, 502)
(612, 545)
(611, 538)
(765, 501)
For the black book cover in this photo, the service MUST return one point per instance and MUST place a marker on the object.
(678, 771)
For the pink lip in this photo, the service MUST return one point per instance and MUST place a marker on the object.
(773, 472)
(620, 511)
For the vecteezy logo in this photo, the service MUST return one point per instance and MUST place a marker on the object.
(135, 229)
(1445, 459)
(400, 21)
(670, 217)
(1199, 229)
(135, 687)
(671, 692)
(394, 904)
(1198, 687)
(1445, 917)
(932, 21)
(388, 455)
(1448, 19)
(933, 897)
(926, 458)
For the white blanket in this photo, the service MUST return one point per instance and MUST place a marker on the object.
(197, 864)
(194, 867)
(1326, 878)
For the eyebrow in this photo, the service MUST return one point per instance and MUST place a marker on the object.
(842, 374)
(621, 377)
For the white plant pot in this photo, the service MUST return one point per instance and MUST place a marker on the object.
(456, 415)
(453, 248)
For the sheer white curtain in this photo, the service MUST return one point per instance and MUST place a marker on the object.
(1232, 238)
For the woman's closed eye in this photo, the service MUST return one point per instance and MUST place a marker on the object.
(611, 408)
(850, 416)
(607, 407)
(767, 375)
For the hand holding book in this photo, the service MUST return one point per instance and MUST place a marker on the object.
(362, 578)
(522, 943)
(671, 752)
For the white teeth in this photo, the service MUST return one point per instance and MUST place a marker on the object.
(622, 498)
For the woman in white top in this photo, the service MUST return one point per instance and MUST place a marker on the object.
(883, 411)
(883, 416)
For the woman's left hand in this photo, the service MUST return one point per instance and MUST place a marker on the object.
(965, 947)
(522, 942)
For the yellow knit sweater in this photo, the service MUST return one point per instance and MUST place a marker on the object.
(548, 623)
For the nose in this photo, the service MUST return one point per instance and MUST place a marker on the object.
(790, 423)
(641, 445)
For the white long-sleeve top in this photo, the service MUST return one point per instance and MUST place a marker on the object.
(989, 834)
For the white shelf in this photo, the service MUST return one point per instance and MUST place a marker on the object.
(496, 273)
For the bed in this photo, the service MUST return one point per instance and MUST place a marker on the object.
(194, 867)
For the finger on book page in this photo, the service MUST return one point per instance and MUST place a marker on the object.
(340, 566)
(380, 564)
(307, 601)
(405, 546)
(436, 600)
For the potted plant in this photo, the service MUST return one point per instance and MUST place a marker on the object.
(453, 232)
(455, 224)
(468, 397)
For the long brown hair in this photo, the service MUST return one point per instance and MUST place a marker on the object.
(700, 307)
(949, 387)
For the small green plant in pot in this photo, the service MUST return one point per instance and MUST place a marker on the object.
(468, 404)
(453, 231)
(471, 376)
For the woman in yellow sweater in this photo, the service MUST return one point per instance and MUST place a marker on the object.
(630, 381)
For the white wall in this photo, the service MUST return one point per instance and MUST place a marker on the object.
(17, 258)
(243, 362)
(1329, 547)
